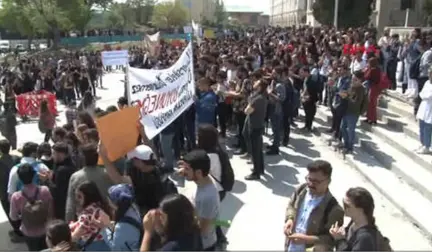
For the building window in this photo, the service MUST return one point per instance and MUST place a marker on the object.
(374, 5)
(254, 19)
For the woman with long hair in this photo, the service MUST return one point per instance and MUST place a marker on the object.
(85, 118)
(373, 76)
(176, 221)
(46, 120)
(361, 234)
(126, 232)
(91, 205)
(58, 237)
(88, 103)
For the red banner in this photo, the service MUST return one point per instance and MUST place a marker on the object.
(28, 103)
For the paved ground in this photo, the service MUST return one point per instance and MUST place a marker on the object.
(257, 208)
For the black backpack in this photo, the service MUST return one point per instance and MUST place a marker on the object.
(227, 172)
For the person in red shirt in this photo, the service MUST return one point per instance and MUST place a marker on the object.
(373, 76)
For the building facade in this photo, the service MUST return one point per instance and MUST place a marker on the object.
(249, 18)
(385, 13)
(288, 12)
(200, 9)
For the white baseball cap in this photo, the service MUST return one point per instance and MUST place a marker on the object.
(141, 152)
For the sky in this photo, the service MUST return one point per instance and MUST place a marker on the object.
(259, 5)
(263, 5)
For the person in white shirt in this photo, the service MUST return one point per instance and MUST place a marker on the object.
(384, 43)
(29, 152)
(424, 115)
(357, 63)
(208, 140)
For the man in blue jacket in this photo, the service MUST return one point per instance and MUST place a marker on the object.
(205, 102)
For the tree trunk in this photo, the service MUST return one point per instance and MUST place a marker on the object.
(29, 42)
(56, 36)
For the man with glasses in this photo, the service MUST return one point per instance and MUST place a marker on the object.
(312, 211)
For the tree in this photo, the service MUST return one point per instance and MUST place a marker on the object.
(168, 14)
(427, 12)
(220, 13)
(352, 13)
(17, 19)
(121, 16)
(143, 10)
(80, 15)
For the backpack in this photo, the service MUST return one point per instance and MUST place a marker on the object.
(136, 224)
(89, 241)
(35, 212)
(227, 172)
(36, 181)
(382, 242)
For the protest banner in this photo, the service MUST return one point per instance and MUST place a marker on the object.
(162, 95)
(115, 58)
(118, 132)
(151, 42)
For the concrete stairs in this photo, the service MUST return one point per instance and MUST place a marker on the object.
(385, 156)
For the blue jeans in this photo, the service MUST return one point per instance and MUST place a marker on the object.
(276, 125)
(425, 133)
(166, 145)
(348, 126)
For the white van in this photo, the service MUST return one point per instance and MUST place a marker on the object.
(4, 46)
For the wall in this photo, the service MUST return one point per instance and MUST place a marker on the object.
(82, 41)
(246, 18)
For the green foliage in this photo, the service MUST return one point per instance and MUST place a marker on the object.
(10, 13)
(45, 16)
(220, 13)
(121, 16)
(168, 14)
(352, 13)
(427, 12)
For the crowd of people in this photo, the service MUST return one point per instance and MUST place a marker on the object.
(65, 194)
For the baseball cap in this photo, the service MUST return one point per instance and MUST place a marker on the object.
(121, 193)
(141, 152)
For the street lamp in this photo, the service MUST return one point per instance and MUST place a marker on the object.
(336, 10)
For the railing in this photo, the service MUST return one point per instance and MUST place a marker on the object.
(82, 41)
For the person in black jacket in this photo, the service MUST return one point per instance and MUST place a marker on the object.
(309, 97)
(58, 178)
(7, 161)
(361, 234)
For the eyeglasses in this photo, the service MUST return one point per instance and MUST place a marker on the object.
(315, 181)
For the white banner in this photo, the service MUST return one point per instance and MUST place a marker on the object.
(115, 58)
(162, 95)
(151, 42)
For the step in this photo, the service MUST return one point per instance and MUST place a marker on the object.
(394, 94)
(403, 162)
(399, 124)
(397, 107)
(411, 202)
(416, 179)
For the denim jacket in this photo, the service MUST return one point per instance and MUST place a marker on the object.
(124, 236)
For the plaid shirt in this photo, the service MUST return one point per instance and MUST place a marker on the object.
(71, 115)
